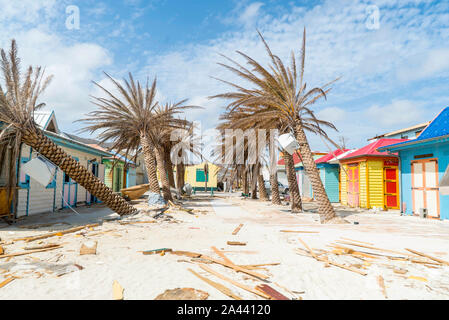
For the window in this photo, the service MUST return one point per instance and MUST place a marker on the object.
(66, 178)
(404, 137)
(52, 185)
(24, 179)
(200, 176)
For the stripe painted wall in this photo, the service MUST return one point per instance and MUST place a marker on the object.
(343, 185)
(376, 182)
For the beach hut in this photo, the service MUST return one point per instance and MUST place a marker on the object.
(424, 165)
(196, 177)
(61, 192)
(305, 187)
(369, 178)
(330, 174)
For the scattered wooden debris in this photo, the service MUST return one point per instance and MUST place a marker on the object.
(237, 268)
(2, 251)
(8, 280)
(58, 233)
(417, 278)
(328, 262)
(260, 265)
(236, 243)
(274, 294)
(428, 256)
(37, 226)
(370, 244)
(27, 252)
(298, 231)
(88, 247)
(183, 294)
(217, 286)
(237, 284)
(136, 222)
(381, 282)
(221, 255)
(117, 291)
(155, 251)
(237, 229)
(45, 246)
(373, 248)
(186, 253)
(399, 271)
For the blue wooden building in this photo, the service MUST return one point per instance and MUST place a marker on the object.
(423, 164)
(330, 174)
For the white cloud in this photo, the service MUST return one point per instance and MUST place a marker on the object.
(425, 65)
(72, 64)
(338, 44)
(399, 112)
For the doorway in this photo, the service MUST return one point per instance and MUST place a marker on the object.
(425, 187)
(353, 185)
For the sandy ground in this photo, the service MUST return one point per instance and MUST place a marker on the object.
(54, 274)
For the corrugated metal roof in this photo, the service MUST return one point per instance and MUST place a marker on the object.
(41, 118)
(331, 155)
(371, 149)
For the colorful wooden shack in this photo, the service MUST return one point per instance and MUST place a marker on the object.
(369, 178)
(330, 174)
(62, 192)
(424, 164)
(305, 187)
(196, 177)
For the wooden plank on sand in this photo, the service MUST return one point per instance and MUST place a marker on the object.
(236, 243)
(428, 256)
(217, 286)
(221, 255)
(236, 268)
(28, 252)
(4, 283)
(237, 229)
(274, 294)
(242, 286)
(57, 233)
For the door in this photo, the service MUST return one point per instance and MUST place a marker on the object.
(425, 187)
(353, 184)
(92, 167)
(391, 188)
(69, 192)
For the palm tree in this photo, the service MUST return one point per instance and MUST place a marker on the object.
(18, 101)
(277, 93)
(126, 121)
(251, 117)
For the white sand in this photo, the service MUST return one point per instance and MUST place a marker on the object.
(146, 276)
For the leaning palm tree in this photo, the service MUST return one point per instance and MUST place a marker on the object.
(18, 101)
(278, 93)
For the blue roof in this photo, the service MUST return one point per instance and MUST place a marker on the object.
(439, 127)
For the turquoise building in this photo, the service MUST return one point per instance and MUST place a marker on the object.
(424, 168)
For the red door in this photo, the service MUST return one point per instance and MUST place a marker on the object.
(353, 186)
(391, 187)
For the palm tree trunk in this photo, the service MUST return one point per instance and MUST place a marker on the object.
(150, 164)
(295, 197)
(275, 198)
(76, 171)
(325, 208)
(163, 174)
(169, 167)
(254, 175)
(263, 195)
(245, 186)
(180, 176)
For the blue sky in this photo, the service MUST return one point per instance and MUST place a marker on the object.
(393, 74)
